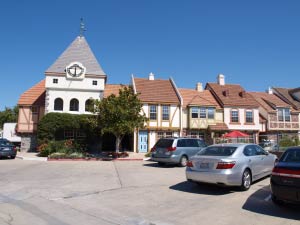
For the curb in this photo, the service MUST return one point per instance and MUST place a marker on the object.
(44, 159)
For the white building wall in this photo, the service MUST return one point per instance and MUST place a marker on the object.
(78, 84)
(152, 139)
(185, 118)
(66, 96)
(242, 123)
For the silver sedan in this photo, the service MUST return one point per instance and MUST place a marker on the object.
(230, 165)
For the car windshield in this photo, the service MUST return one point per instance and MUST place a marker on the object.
(218, 151)
(4, 143)
(164, 143)
(291, 155)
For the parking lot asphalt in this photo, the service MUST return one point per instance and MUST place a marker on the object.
(127, 192)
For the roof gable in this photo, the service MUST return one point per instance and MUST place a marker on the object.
(285, 95)
(232, 95)
(113, 89)
(156, 91)
(269, 102)
(78, 51)
(34, 96)
(194, 97)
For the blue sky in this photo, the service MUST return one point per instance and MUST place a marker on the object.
(253, 43)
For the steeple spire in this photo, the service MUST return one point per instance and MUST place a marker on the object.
(82, 28)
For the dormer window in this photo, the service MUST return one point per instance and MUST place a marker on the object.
(284, 114)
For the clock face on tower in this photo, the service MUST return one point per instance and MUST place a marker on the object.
(75, 70)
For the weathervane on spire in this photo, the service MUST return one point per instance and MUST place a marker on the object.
(82, 28)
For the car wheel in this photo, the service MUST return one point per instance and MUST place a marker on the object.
(246, 180)
(13, 157)
(183, 161)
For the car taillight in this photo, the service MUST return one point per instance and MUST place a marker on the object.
(171, 149)
(286, 172)
(225, 165)
(153, 149)
(189, 164)
(14, 148)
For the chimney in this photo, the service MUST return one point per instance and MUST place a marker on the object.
(270, 91)
(199, 87)
(221, 79)
(151, 76)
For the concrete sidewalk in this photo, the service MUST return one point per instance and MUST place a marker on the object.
(33, 156)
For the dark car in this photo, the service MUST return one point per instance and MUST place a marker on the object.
(7, 149)
(285, 178)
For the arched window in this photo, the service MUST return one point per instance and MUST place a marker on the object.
(89, 105)
(74, 105)
(58, 104)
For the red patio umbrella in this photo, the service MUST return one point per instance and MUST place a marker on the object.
(235, 134)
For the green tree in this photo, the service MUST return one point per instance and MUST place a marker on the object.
(9, 115)
(120, 115)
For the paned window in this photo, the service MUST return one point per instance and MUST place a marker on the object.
(284, 114)
(74, 105)
(210, 113)
(202, 113)
(195, 112)
(234, 116)
(89, 105)
(153, 112)
(249, 116)
(55, 81)
(165, 112)
(94, 82)
(58, 104)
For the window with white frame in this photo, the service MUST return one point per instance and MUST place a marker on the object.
(202, 113)
(210, 113)
(249, 116)
(164, 134)
(165, 112)
(153, 112)
(284, 114)
(195, 112)
(234, 117)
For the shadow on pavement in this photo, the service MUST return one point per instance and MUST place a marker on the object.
(201, 188)
(155, 164)
(260, 202)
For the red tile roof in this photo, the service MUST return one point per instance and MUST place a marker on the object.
(269, 101)
(112, 89)
(34, 95)
(198, 98)
(156, 91)
(232, 95)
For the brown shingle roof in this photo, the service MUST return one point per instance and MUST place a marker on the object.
(218, 126)
(269, 101)
(34, 95)
(232, 95)
(285, 94)
(112, 89)
(194, 97)
(156, 91)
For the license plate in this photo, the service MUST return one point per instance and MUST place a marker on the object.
(204, 165)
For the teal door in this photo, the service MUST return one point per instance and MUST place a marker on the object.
(143, 141)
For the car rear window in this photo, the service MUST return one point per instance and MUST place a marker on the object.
(291, 155)
(164, 143)
(218, 151)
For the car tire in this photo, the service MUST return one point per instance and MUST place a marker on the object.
(276, 201)
(161, 164)
(246, 180)
(13, 157)
(183, 161)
